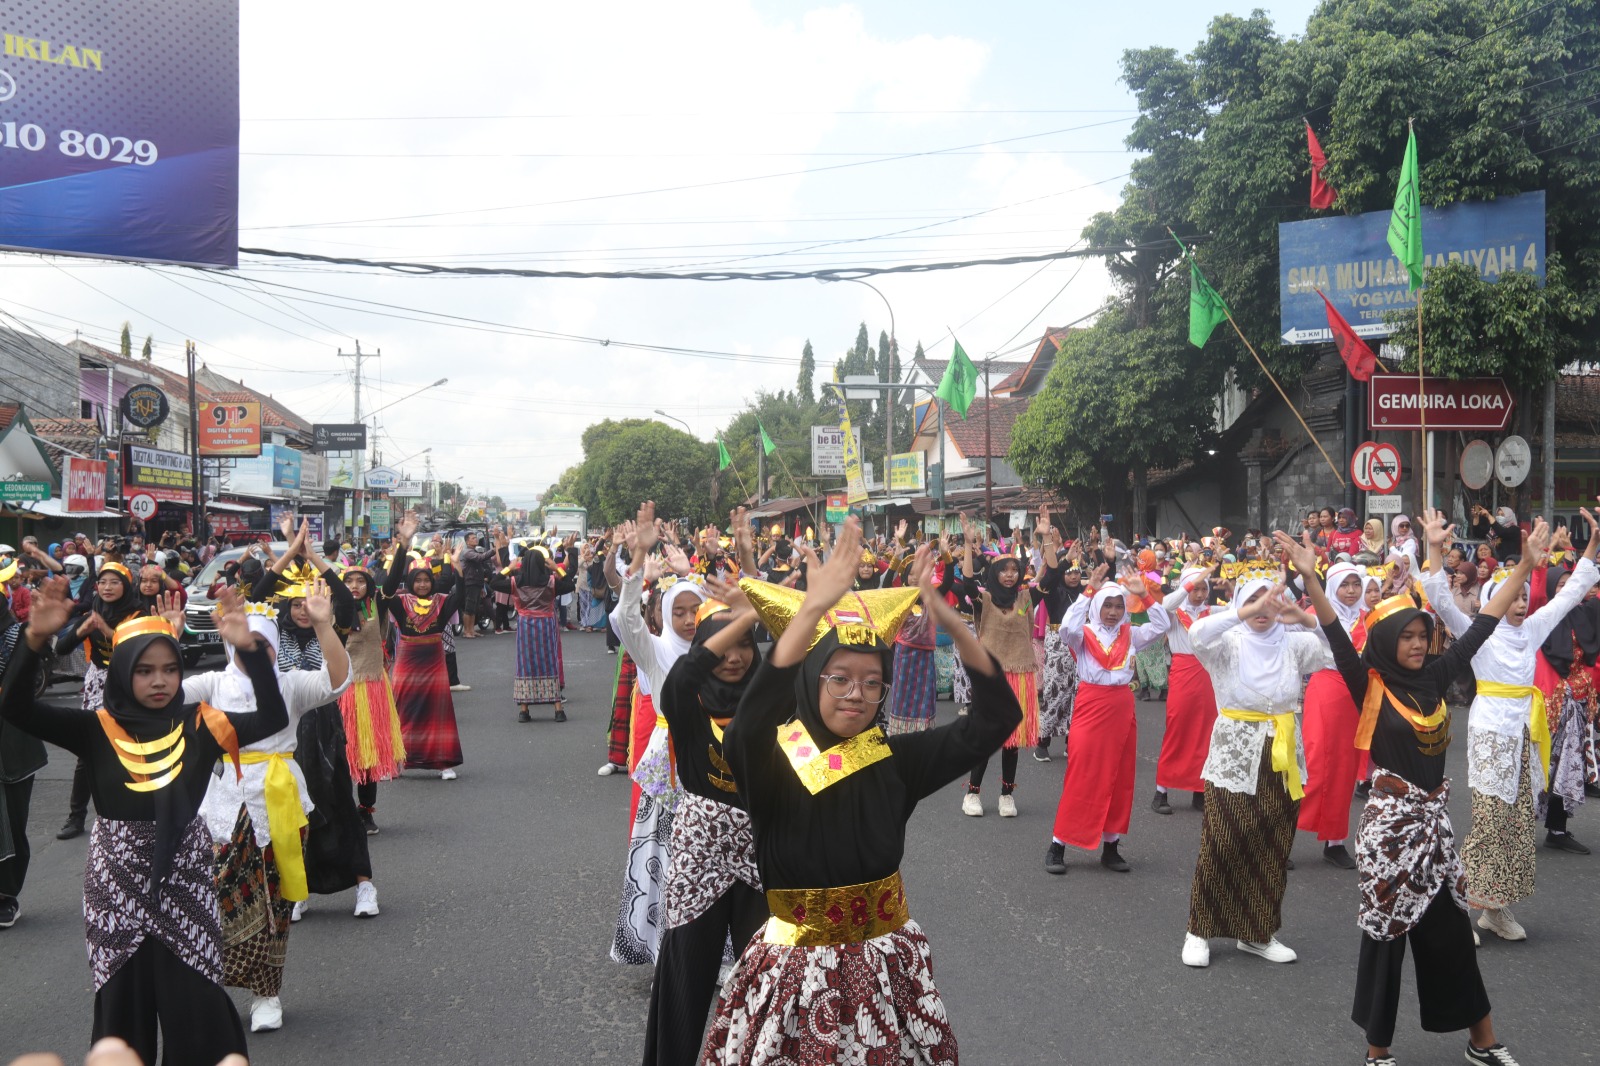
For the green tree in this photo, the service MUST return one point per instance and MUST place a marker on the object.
(147, 348)
(805, 387)
(653, 461)
(788, 421)
(127, 340)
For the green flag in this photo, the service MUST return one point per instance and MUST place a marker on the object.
(1405, 222)
(1206, 309)
(960, 382)
(766, 442)
(723, 461)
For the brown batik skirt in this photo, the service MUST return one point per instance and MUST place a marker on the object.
(255, 917)
(1242, 870)
(1499, 851)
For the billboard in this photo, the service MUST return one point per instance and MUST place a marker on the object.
(827, 450)
(1348, 258)
(119, 127)
(83, 484)
(908, 471)
(285, 467)
(339, 436)
(165, 476)
(230, 429)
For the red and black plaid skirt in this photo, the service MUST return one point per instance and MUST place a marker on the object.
(422, 696)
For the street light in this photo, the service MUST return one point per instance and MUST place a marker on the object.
(676, 419)
(894, 350)
(408, 396)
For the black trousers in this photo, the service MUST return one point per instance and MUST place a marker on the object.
(1555, 818)
(450, 667)
(14, 871)
(686, 974)
(78, 801)
(155, 992)
(502, 616)
(1008, 771)
(367, 794)
(1450, 989)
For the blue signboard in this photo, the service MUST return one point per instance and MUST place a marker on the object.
(1348, 258)
(285, 466)
(119, 129)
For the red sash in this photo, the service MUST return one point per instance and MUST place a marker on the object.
(1358, 635)
(1114, 657)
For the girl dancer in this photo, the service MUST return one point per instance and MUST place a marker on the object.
(421, 680)
(94, 619)
(374, 745)
(537, 585)
(842, 972)
(1413, 886)
(1191, 705)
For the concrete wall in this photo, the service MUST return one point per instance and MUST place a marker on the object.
(40, 374)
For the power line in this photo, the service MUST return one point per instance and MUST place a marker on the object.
(689, 114)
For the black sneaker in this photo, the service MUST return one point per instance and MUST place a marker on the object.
(1382, 1060)
(1564, 842)
(366, 821)
(1041, 753)
(1591, 790)
(1160, 804)
(10, 908)
(1198, 801)
(1494, 1055)
(1055, 860)
(1112, 859)
(1363, 789)
(524, 716)
(1161, 697)
(561, 716)
(73, 828)
(1338, 856)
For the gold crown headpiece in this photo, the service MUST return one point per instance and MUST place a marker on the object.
(145, 625)
(870, 618)
(300, 573)
(708, 608)
(1389, 607)
(1250, 570)
(118, 568)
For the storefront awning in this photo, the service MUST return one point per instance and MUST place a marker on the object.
(230, 506)
(56, 508)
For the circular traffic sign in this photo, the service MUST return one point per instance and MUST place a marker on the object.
(1513, 462)
(142, 506)
(1477, 465)
(1375, 467)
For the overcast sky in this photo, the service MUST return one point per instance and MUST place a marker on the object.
(727, 134)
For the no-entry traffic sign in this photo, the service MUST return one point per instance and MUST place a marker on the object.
(1375, 467)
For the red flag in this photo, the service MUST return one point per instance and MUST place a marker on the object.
(1352, 349)
(1322, 194)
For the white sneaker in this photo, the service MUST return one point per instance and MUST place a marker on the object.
(366, 900)
(1196, 951)
(611, 768)
(265, 1013)
(447, 775)
(1008, 807)
(971, 805)
(1477, 941)
(460, 688)
(300, 908)
(1502, 924)
(1272, 951)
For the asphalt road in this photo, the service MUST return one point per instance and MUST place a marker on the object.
(499, 891)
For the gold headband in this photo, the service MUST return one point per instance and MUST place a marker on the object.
(150, 624)
(1390, 607)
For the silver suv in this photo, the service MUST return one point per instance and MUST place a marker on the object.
(200, 635)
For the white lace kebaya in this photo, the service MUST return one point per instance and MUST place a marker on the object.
(1252, 671)
(1495, 724)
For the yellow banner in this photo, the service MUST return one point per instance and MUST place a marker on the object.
(857, 485)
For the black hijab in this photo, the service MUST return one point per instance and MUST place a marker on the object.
(1581, 624)
(175, 808)
(1004, 598)
(411, 581)
(1414, 687)
(721, 698)
(808, 685)
(120, 609)
(535, 571)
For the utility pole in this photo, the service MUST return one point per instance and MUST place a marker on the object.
(199, 518)
(360, 464)
(988, 448)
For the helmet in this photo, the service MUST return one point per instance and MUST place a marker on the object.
(77, 561)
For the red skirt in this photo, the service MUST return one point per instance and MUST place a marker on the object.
(640, 727)
(422, 696)
(1191, 712)
(1102, 753)
(1333, 762)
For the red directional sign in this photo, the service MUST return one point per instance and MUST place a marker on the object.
(1375, 467)
(1471, 404)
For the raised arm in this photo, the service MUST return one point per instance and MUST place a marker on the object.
(319, 604)
(1303, 557)
(824, 585)
(69, 729)
(1541, 622)
(1436, 582)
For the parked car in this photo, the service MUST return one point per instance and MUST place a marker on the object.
(200, 634)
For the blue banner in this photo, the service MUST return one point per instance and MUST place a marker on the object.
(1348, 258)
(119, 129)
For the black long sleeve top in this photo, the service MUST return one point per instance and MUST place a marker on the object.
(694, 741)
(394, 602)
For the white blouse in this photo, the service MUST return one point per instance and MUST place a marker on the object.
(1495, 724)
(1089, 669)
(1178, 638)
(1234, 762)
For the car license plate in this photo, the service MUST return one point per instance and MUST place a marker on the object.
(208, 638)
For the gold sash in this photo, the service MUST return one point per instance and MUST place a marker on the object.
(811, 917)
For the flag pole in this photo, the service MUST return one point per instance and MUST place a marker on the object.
(1422, 393)
(1292, 407)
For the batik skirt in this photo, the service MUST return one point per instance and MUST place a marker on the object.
(538, 678)
(1151, 665)
(427, 712)
(960, 683)
(1191, 713)
(372, 737)
(915, 688)
(642, 917)
(255, 916)
(1242, 870)
(1057, 685)
(1499, 851)
(868, 1002)
(1569, 761)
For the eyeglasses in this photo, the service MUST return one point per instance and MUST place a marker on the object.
(842, 688)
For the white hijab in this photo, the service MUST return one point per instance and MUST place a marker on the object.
(1262, 656)
(237, 691)
(669, 646)
(1103, 633)
(1338, 574)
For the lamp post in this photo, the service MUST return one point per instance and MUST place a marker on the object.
(676, 419)
(888, 398)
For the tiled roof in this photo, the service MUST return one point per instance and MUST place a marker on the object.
(1578, 400)
(63, 436)
(1030, 376)
(967, 434)
(8, 411)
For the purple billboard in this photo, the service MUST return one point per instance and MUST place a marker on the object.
(119, 129)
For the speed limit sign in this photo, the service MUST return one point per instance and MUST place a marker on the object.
(142, 506)
(1375, 467)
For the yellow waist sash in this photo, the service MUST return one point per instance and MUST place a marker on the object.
(1538, 720)
(285, 819)
(1284, 758)
(812, 917)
